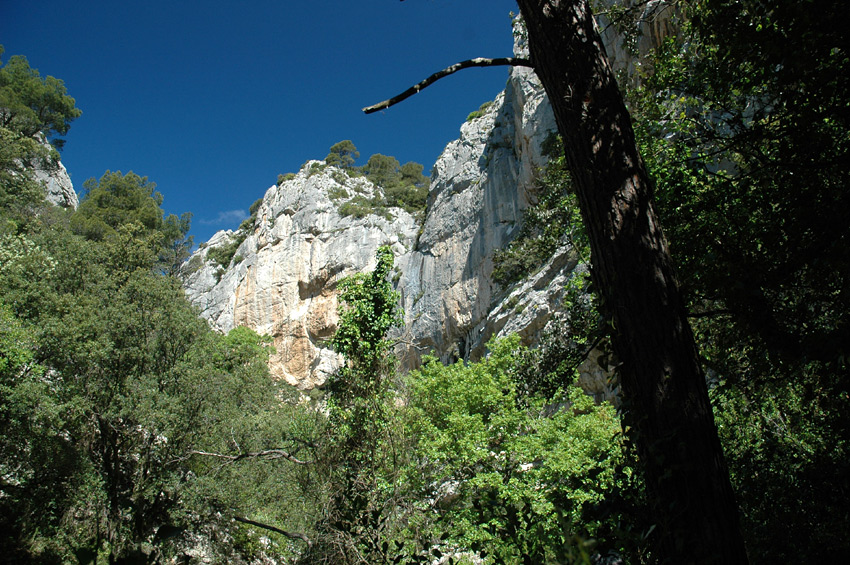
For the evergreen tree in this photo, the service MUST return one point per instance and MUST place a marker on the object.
(30, 104)
(343, 154)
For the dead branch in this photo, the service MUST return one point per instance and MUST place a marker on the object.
(477, 62)
(290, 535)
(264, 454)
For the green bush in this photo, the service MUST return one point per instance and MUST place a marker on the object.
(479, 112)
(343, 155)
(337, 193)
(252, 211)
(360, 207)
(530, 483)
(281, 178)
(223, 254)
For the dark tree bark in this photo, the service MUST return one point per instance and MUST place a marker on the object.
(662, 382)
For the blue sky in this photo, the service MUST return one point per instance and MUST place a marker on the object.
(211, 100)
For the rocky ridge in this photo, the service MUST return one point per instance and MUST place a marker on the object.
(283, 277)
(300, 245)
(282, 280)
(58, 186)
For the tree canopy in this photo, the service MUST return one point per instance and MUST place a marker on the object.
(30, 103)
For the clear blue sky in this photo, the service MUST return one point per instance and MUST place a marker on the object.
(211, 100)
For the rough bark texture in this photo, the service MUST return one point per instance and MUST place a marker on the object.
(661, 378)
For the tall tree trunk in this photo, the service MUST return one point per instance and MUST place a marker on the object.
(662, 382)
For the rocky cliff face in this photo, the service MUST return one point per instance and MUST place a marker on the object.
(480, 186)
(282, 280)
(57, 183)
(284, 283)
(59, 190)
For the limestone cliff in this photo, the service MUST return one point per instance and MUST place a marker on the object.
(479, 188)
(284, 281)
(47, 170)
(57, 184)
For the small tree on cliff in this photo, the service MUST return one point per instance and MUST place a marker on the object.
(343, 154)
(30, 104)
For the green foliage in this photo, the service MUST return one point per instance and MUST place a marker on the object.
(411, 193)
(315, 167)
(343, 155)
(31, 104)
(456, 461)
(20, 193)
(744, 125)
(479, 112)
(108, 379)
(565, 343)
(224, 253)
(786, 447)
(255, 207)
(360, 207)
(282, 178)
(404, 185)
(383, 170)
(359, 408)
(339, 177)
(119, 201)
(526, 484)
(370, 309)
(339, 193)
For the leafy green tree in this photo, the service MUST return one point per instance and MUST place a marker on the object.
(38, 467)
(524, 482)
(404, 185)
(343, 154)
(30, 104)
(661, 377)
(112, 382)
(359, 406)
(120, 200)
(748, 138)
(382, 170)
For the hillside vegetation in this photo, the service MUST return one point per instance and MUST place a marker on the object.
(130, 432)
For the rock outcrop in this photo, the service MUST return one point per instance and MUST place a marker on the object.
(284, 281)
(59, 190)
(480, 186)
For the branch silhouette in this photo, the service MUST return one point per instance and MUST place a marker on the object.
(476, 62)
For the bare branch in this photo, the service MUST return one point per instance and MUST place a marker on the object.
(477, 62)
(265, 454)
(290, 535)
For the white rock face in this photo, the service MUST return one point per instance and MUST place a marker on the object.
(284, 284)
(55, 179)
(57, 182)
(480, 186)
(282, 281)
